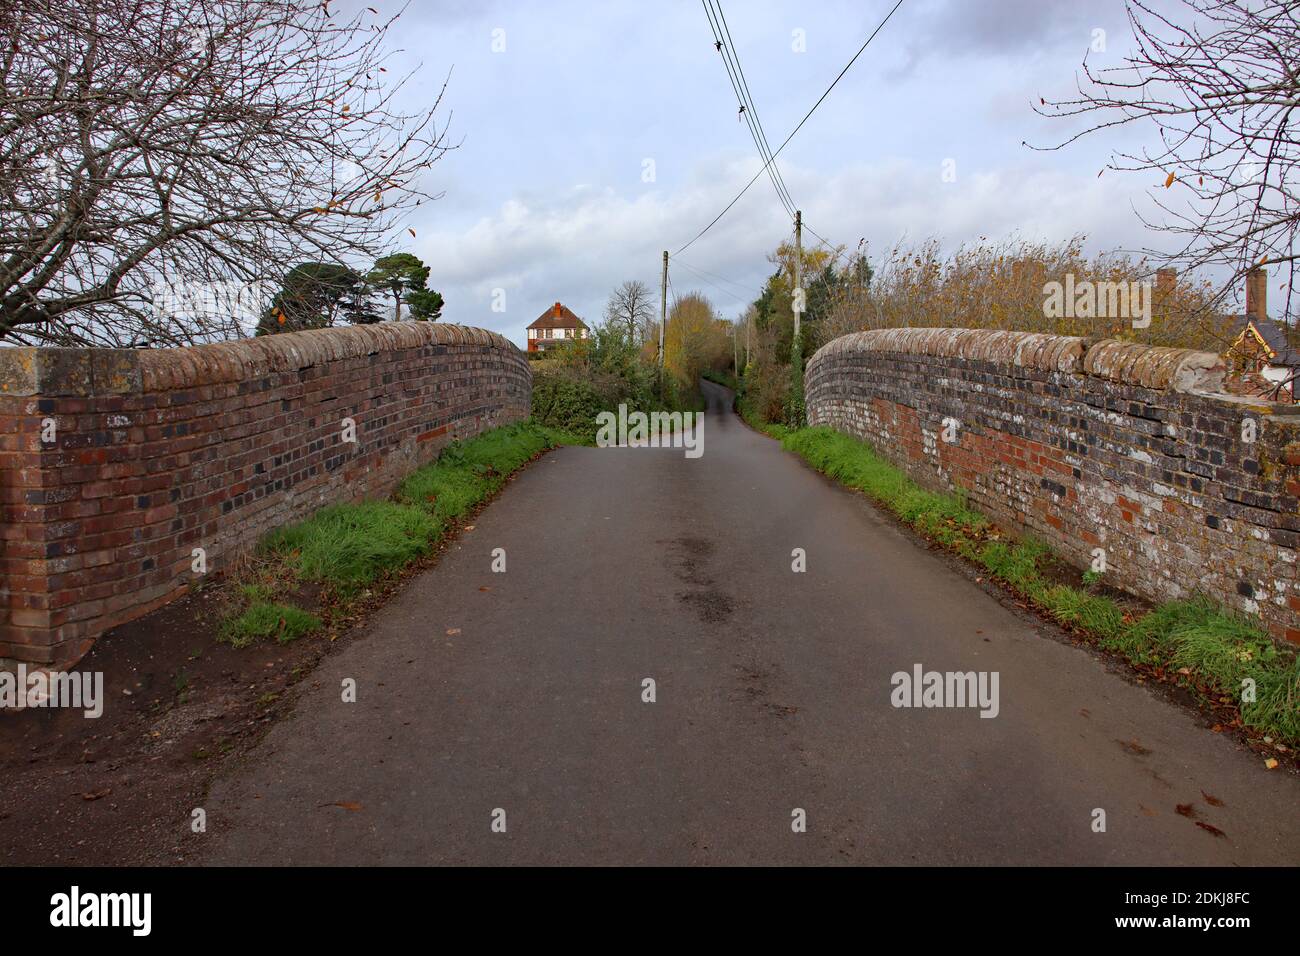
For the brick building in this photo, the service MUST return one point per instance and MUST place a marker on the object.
(1261, 359)
(556, 326)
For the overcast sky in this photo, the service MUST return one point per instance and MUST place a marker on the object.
(545, 198)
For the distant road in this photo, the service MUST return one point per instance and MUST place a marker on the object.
(772, 694)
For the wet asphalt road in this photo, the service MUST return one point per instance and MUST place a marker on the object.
(772, 693)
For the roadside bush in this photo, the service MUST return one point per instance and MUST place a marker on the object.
(566, 404)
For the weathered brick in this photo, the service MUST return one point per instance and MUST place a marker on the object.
(162, 451)
(1073, 444)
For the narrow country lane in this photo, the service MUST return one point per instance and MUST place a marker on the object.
(773, 693)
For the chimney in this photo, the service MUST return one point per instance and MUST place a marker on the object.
(1165, 279)
(1257, 293)
(557, 310)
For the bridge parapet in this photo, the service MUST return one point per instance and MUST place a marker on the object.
(1114, 445)
(115, 465)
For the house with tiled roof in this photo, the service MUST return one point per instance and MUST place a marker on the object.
(556, 326)
(1261, 359)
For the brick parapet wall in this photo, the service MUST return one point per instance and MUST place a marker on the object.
(159, 452)
(1108, 445)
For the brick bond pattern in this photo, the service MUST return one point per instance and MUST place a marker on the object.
(161, 452)
(1114, 445)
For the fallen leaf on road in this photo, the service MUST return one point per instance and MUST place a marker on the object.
(453, 631)
(1212, 801)
(1133, 747)
(1208, 828)
(345, 805)
(1185, 810)
(96, 794)
(484, 587)
(1271, 763)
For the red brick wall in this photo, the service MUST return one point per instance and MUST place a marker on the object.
(1110, 445)
(159, 452)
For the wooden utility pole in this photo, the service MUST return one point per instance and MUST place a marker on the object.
(794, 408)
(798, 269)
(663, 310)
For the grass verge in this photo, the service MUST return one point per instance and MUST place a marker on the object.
(343, 550)
(1195, 643)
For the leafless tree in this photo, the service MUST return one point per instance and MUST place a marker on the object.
(1219, 81)
(631, 306)
(200, 145)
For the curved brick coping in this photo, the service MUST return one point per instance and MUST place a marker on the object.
(62, 371)
(153, 454)
(1087, 445)
(1130, 363)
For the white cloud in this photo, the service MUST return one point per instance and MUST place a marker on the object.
(577, 246)
(544, 198)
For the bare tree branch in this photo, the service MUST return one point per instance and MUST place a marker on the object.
(151, 145)
(1219, 84)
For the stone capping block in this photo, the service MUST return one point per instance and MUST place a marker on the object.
(1128, 363)
(1035, 350)
(53, 372)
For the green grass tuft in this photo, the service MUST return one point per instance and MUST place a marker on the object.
(349, 546)
(263, 619)
(1227, 650)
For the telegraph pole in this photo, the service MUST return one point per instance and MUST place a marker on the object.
(663, 308)
(798, 268)
(794, 412)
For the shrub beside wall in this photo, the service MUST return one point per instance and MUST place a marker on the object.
(156, 453)
(1118, 446)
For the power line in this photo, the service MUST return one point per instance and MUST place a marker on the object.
(706, 275)
(727, 208)
(735, 56)
(746, 108)
(827, 243)
(736, 74)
